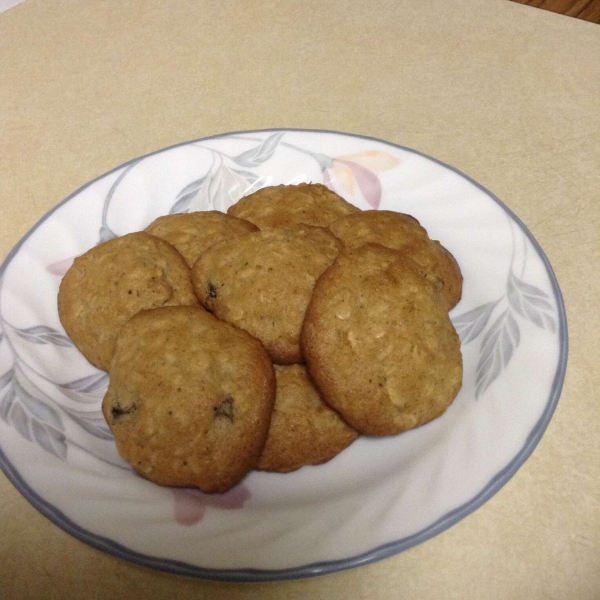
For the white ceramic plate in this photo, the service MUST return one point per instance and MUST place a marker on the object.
(378, 497)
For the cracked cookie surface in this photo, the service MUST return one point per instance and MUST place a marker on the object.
(113, 281)
(190, 398)
(379, 344)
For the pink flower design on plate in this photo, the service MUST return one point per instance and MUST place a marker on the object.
(190, 504)
(60, 267)
(354, 175)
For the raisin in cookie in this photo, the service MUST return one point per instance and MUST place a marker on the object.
(262, 282)
(113, 281)
(289, 205)
(304, 430)
(379, 344)
(192, 233)
(190, 398)
(402, 232)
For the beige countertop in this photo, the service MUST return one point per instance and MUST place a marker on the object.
(508, 94)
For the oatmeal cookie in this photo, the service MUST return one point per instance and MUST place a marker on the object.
(190, 398)
(304, 430)
(262, 282)
(288, 205)
(402, 232)
(193, 233)
(379, 344)
(113, 281)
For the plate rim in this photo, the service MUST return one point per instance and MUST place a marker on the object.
(58, 518)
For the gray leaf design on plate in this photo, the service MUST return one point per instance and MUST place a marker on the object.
(87, 385)
(261, 153)
(250, 177)
(220, 189)
(7, 401)
(183, 200)
(50, 439)
(497, 349)
(37, 408)
(17, 417)
(41, 334)
(106, 234)
(6, 378)
(530, 302)
(33, 419)
(88, 390)
(94, 424)
(470, 324)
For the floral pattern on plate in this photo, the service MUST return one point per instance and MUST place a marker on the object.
(511, 322)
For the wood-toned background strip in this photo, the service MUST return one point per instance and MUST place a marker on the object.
(587, 10)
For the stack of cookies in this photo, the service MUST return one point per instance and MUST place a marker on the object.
(270, 337)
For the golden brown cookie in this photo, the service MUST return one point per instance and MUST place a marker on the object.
(192, 233)
(288, 205)
(113, 281)
(304, 430)
(379, 344)
(190, 398)
(262, 282)
(402, 232)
